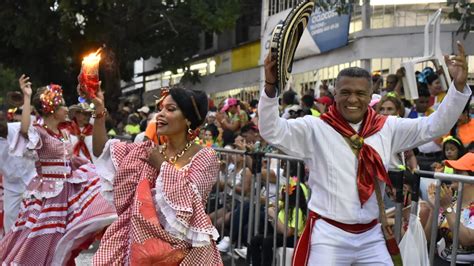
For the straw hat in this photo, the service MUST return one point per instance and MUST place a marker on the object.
(14, 98)
(80, 107)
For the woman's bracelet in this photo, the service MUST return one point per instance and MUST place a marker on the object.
(100, 115)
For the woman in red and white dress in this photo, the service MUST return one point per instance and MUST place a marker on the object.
(160, 192)
(63, 210)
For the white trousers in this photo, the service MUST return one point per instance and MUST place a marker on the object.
(331, 246)
(11, 208)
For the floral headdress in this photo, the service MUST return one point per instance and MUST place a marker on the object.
(293, 182)
(51, 98)
(165, 91)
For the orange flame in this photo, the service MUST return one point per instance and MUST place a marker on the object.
(92, 58)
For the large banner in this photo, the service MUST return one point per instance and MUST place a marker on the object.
(326, 30)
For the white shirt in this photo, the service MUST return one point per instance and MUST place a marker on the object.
(87, 141)
(17, 171)
(140, 137)
(430, 147)
(332, 164)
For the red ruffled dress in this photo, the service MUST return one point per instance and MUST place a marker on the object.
(63, 209)
(162, 219)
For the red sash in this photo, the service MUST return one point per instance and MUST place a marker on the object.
(370, 165)
(302, 250)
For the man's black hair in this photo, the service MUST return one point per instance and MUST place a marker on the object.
(247, 128)
(431, 78)
(253, 103)
(289, 97)
(423, 90)
(307, 100)
(354, 72)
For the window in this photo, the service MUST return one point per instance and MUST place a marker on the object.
(208, 40)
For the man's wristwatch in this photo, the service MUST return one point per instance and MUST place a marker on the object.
(448, 210)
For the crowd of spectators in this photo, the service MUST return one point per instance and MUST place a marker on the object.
(233, 124)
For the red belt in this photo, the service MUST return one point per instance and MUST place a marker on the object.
(301, 254)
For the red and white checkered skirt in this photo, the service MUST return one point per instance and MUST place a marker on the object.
(169, 227)
(49, 230)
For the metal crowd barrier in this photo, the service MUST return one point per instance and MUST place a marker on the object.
(254, 198)
(253, 223)
(397, 181)
(462, 179)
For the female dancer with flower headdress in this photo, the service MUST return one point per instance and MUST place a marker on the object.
(63, 210)
(160, 192)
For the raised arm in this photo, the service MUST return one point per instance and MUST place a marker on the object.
(99, 132)
(232, 125)
(291, 136)
(25, 86)
(410, 133)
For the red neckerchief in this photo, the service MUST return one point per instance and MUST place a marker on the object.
(370, 163)
(75, 130)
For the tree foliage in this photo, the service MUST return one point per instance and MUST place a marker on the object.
(464, 12)
(47, 39)
(8, 81)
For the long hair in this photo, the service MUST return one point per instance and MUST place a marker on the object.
(302, 206)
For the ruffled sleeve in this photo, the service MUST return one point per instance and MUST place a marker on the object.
(24, 146)
(107, 164)
(181, 195)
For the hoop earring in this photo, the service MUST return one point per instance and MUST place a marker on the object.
(191, 135)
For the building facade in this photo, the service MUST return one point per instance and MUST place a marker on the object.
(381, 36)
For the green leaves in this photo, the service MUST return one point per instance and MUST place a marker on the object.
(216, 15)
(341, 6)
(462, 11)
(8, 81)
(47, 39)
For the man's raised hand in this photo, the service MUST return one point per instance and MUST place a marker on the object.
(270, 75)
(457, 66)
